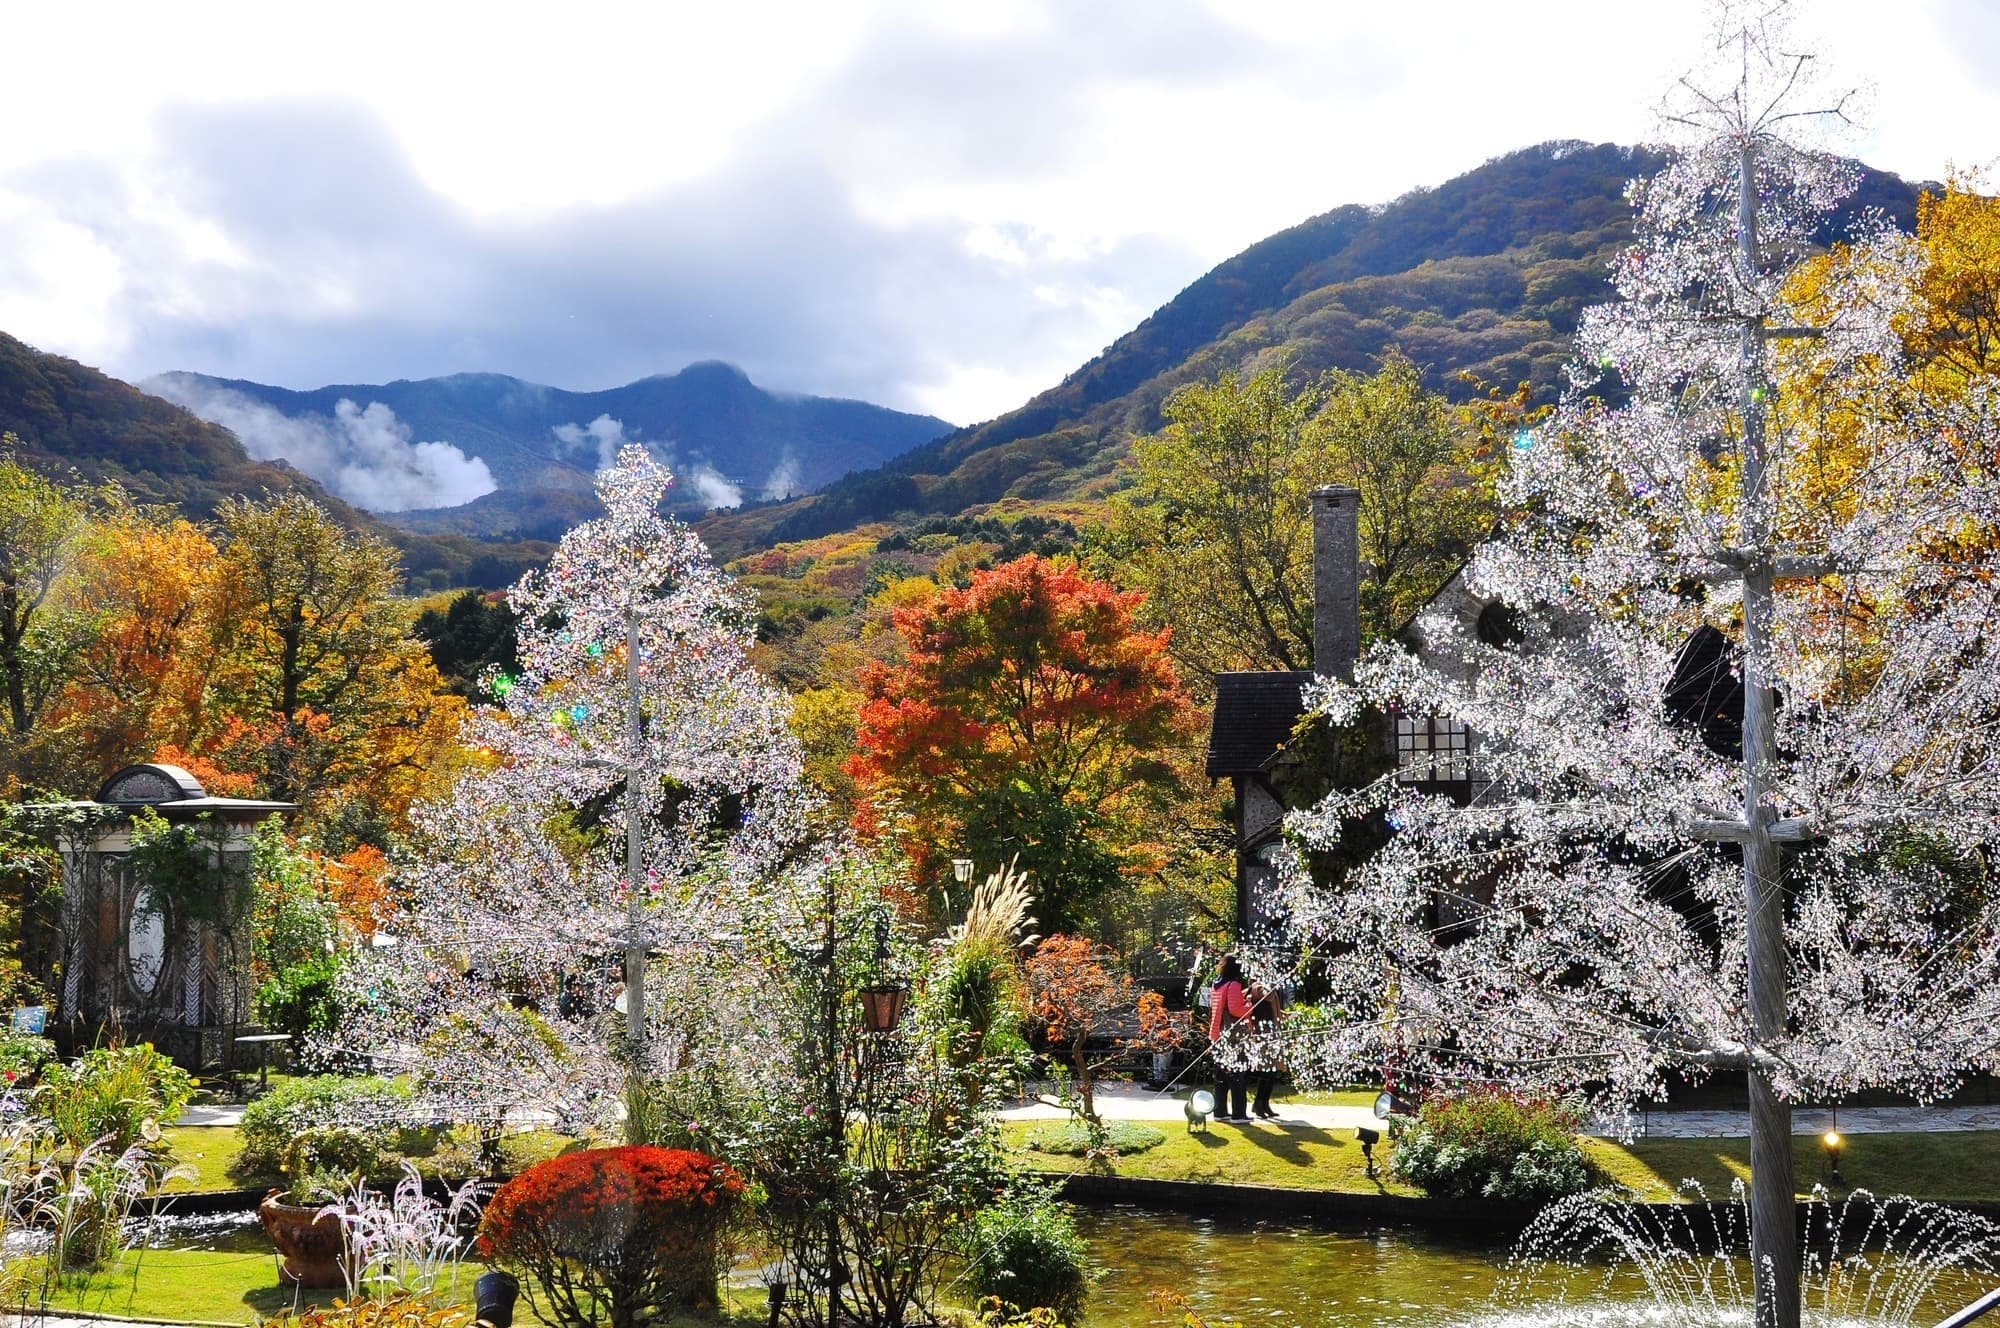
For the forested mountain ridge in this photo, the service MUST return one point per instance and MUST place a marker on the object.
(68, 419)
(1485, 274)
(728, 439)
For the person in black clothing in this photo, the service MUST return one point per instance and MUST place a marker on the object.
(1265, 1059)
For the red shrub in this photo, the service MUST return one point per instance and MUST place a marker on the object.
(615, 1235)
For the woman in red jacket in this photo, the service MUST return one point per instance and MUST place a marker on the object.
(1228, 1008)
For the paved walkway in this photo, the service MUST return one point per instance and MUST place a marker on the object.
(1123, 1101)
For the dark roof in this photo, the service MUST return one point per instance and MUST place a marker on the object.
(1254, 717)
(1706, 691)
(149, 784)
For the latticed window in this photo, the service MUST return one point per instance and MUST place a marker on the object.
(1432, 750)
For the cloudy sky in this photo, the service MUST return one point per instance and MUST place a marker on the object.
(942, 207)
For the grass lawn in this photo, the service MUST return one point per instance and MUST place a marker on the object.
(1287, 1153)
(227, 1287)
(1963, 1166)
(212, 1285)
(212, 1151)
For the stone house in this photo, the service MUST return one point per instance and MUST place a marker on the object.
(122, 958)
(1256, 713)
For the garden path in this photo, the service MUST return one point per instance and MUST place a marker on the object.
(1121, 1101)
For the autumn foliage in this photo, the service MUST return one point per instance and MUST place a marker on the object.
(617, 1235)
(1079, 997)
(1030, 718)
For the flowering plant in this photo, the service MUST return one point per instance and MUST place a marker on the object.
(613, 1234)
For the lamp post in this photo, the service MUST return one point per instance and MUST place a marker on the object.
(1831, 1143)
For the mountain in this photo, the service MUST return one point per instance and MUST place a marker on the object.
(490, 455)
(72, 419)
(1486, 274)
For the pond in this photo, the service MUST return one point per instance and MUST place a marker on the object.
(1287, 1273)
(1294, 1273)
(1282, 1273)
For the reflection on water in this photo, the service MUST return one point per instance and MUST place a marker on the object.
(1282, 1273)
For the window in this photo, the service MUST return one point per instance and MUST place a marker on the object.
(1432, 750)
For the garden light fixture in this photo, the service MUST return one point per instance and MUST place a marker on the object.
(961, 870)
(1368, 1139)
(1198, 1108)
(1831, 1143)
(882, 1000)
(493, 1297)
(882, 1005)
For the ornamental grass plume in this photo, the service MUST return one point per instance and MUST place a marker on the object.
(623, 1236)
(997, 915)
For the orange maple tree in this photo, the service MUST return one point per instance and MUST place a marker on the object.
(1078, 995)
(1031, 719)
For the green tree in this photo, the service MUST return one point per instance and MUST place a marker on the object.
(319, 685)
(40, 526)
(309, 597)
(468, 635)
(1217, 527)
(1421, 508)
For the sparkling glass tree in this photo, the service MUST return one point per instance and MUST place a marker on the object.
(636, 794)
(1652, 876)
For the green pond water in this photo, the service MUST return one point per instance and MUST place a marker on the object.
(1289, 1273)
(1282, 1273)
(1286, 1273)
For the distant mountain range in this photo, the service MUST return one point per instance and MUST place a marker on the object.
(70, 419)
(1485, 274)
(493, 456)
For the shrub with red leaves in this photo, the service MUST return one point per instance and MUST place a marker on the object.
(614, 1235)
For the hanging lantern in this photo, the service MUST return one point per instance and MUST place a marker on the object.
(882, 1005)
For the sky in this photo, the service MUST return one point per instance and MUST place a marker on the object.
(938, 207)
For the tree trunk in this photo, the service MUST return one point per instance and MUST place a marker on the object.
(1774, 1250)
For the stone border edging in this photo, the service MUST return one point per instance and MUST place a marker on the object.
(24, 1314)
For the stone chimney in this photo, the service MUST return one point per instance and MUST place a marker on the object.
(1336, 513)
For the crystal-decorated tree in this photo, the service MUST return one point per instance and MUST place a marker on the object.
(635, 796)
(1747, 468)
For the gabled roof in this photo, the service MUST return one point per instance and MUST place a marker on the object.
(1706, 691)
(1255, 714)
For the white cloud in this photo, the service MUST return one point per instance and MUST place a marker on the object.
(363, 454)
(864, 198)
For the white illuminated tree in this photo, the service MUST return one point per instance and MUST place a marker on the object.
(635, 797)
(1623, 901)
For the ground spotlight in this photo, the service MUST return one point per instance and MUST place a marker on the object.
(1369, 1138)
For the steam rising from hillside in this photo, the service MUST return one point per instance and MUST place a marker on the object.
(362, 453)
(786, 480)
(602, 437)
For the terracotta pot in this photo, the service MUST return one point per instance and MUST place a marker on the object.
(313, 1243)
